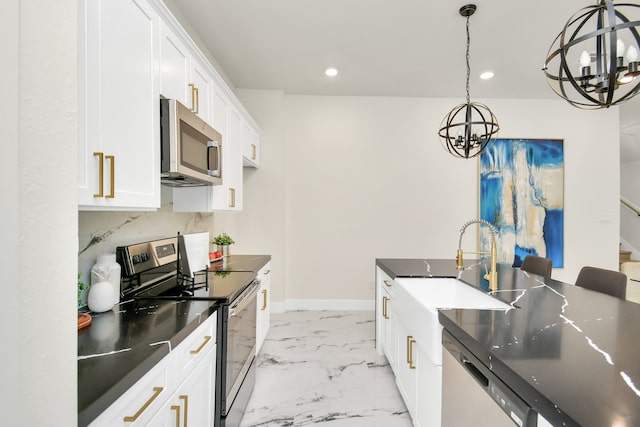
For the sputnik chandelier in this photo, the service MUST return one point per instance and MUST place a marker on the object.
(468, 128)
(593, 62)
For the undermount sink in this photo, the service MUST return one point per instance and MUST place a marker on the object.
(418, 301)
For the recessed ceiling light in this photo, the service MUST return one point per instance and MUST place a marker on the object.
(486, 75)
(331, 72)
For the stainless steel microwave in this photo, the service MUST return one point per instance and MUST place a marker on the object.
(191, 150)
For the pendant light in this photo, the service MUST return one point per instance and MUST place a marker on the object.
(593, 62)
(468, 128)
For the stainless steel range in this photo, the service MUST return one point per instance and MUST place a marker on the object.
(150, 271)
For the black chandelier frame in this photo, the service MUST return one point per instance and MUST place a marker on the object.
(595, 91)
(467, 128)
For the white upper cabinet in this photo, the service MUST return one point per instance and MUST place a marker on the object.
(132, 52)
(182, 76)
(175, 67)
(119, 145)
(251, 148)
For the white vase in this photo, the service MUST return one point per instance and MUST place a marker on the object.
(106, 269)
(101, 297)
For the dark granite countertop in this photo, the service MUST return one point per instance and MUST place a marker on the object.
(121, 345)
(572, 354)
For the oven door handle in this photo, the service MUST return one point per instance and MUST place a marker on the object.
(242, 304)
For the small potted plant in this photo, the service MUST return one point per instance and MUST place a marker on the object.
(222, 242)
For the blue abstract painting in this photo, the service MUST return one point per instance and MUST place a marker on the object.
(522, 194)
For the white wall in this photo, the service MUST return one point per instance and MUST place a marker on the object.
(629, 221)
(366, 178)
(260, 227)
(39, 118)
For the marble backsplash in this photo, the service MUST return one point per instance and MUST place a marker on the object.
(102, 231)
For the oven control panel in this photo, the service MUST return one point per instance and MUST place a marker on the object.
(141, 257)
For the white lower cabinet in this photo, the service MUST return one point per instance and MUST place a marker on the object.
(264, 306)
(177, 392)
(419, 380)
(192, 404)
(388, 321)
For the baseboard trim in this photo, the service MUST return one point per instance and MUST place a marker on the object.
(323, 304)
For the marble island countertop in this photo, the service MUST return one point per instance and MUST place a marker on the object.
(572, 354)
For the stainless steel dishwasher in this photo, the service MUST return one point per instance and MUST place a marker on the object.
(473, 396)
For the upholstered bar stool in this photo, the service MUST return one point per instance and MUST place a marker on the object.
(537, 265)
(606, 281)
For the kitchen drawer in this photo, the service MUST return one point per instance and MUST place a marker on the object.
(195, 347)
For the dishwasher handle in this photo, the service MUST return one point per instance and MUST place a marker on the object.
(474, 371)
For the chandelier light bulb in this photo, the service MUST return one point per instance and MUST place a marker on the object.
(620, 48)
(585, 59)
(632, 54)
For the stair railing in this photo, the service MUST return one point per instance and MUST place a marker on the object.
(630, 206)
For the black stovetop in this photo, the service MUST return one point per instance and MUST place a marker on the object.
(222, 286)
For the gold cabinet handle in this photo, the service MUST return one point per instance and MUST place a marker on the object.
(100, 174)
(264, 299)
(197, 107)
(232, 194)
(267, 272)
(253, 151)
(385, 310)
(193, 97)
(185, 399)
(206, 340)
(410, 342)
(112, 162)
(177, 409)
(388, 283)
(156, 393)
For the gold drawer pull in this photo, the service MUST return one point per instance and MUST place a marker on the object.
(388, 283)
(197, 107)
(185, 399)
(156, 393)
(253, 151)
(232, 193)
(177, 409)
(206, 340)
(264, 299)
(101, 174)
(193, 97)
(385, 310)
(410, 342)
(112, 194)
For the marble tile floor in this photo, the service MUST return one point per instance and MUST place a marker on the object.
(321, 367)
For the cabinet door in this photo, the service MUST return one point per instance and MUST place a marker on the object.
(429, 391)
(175, 67)
(388, 329)
(264, 306)
(119, 148)
(202, 86)
(408, 363)
(193, 402)
(251, 148)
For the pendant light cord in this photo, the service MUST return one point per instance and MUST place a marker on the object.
(468, 66)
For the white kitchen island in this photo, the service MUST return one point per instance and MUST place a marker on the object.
(411, 335)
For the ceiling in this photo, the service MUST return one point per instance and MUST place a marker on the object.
(388, 47)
